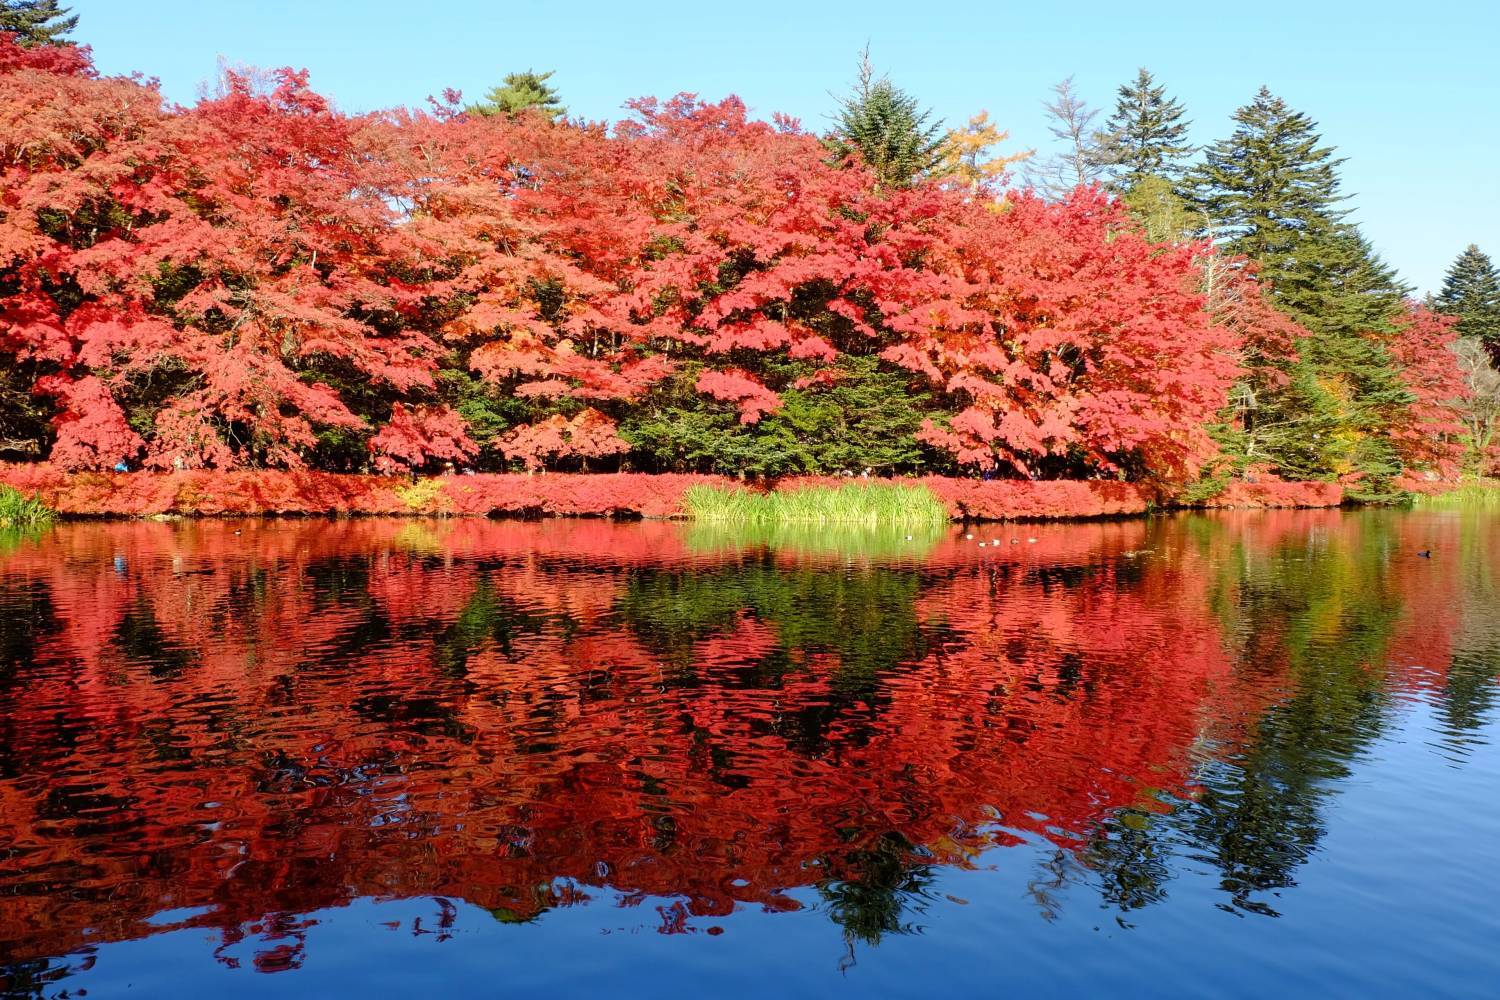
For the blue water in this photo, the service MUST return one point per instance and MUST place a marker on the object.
(1229, 756)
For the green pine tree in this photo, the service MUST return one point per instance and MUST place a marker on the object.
(888, 129)
(528, 91)
(1346, 389)
(1269, 187)
(1471, 291)
(1340, 285)
(1271, 192)
(36, 22)
(1146, 135)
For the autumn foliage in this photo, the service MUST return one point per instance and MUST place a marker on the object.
(659, 495)
(261, 281)
(1430, 438)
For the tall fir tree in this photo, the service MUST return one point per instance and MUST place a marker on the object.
(1146, 136)
(1351, 387)
(1270, 187)
(528, 91)
(1271, 192)
(37, 22)
(1471, 291)
(888, 129)
(1340, 285)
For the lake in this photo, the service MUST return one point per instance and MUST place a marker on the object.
(1239, 754)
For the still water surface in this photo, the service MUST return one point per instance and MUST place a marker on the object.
(1233, 755)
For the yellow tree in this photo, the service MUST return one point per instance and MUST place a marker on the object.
(967, 156)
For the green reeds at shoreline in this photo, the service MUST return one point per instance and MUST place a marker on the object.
(17, 510)
(850, 503)
(1477, 494)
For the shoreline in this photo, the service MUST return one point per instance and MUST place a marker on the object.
(652, 496)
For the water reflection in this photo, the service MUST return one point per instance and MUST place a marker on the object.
(236, 725)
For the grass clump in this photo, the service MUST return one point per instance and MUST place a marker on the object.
(425, 496)
(17, 510)
(851, 503)
(1480, 494)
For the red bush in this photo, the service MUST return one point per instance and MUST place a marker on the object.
(1275, 493)
(59, 60)
(1003, 499)
(241, 492)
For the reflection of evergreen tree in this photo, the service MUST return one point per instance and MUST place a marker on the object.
(1130, 860)
(670, 613)
(488, 617)
(867, 620)
(1260, 815)
(1469, 694)
(866, 617)
(876, 890)
(28, 619)
(344, 585)
(141, 640)
(1316, 623)
(1328, 617)
(35, 977)
(339, 583)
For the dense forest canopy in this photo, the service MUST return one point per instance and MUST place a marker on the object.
(260, 280)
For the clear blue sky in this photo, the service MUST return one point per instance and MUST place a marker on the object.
(1409, 92)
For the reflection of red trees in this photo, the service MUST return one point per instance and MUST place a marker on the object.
(331, 710)
(1433, 606)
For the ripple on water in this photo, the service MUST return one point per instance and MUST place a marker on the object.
(1212, 738)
